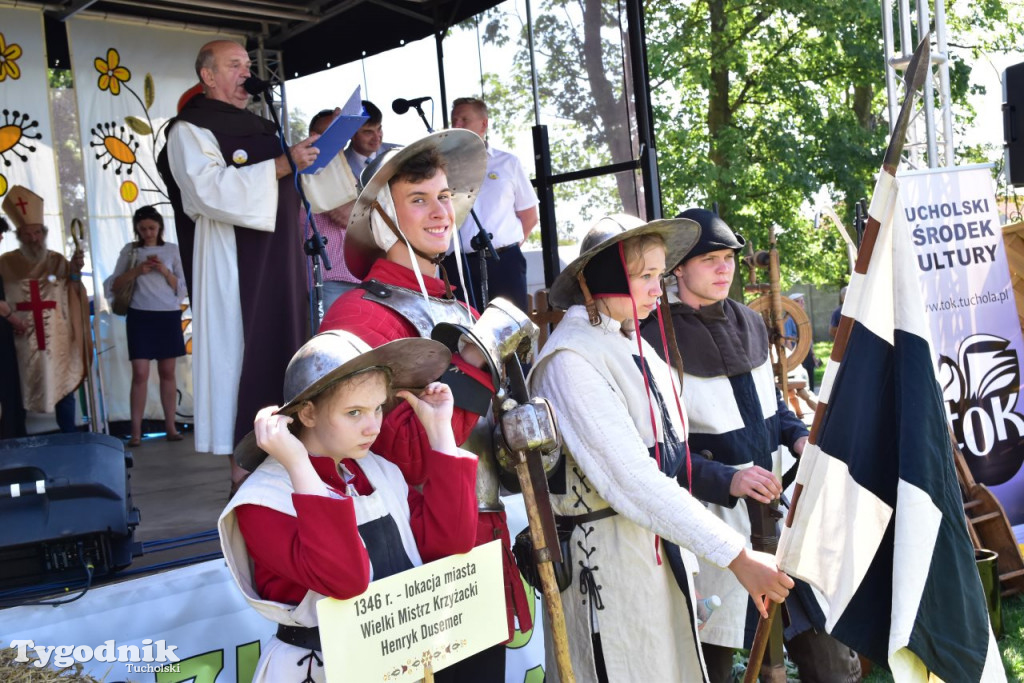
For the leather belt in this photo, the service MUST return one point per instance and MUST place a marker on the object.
(308, 638)
(567, 524)
(497, 250)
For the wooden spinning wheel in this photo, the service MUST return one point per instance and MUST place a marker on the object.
(796, 355)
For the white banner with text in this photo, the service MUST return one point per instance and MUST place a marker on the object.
(192, 625)
(968, 297)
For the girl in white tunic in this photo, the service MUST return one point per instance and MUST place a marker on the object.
(633, 524)
(325, 516)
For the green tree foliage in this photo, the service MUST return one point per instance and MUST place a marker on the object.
(298, 125)
(64, 118)
(770, 102)
(579, 57)
(761, 106)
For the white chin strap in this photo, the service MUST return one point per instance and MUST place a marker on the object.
(457, 247)
(386, 239)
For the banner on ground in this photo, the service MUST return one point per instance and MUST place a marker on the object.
(960, 261)
(128, 79)
(200, 613)
(194, 621)
(27, 156)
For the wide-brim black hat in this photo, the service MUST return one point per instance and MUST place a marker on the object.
(466, 158)
(679, 235)
(715, 235)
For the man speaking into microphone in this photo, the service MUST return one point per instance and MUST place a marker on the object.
(235, 204)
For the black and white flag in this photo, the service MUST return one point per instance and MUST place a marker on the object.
(879, 526)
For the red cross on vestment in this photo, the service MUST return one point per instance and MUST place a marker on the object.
(37, 305)
(21, 205)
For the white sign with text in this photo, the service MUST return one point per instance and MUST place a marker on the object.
(434, 615)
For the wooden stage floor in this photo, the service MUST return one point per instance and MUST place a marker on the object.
(180, 495)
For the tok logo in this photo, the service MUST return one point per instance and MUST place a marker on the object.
(980, 392)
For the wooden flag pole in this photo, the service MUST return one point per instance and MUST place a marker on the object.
(777, 315)
(760, 644)
(917, 69)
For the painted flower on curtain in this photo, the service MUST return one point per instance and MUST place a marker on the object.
(9, 55)
(17, 126)
(116, 146)
(186, 326)
(112, 74)
(15, 129)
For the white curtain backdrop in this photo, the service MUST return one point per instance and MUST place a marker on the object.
(26, 139)
(128, 79)
(27, 154)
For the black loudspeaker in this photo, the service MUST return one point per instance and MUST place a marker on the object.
(1013, 123)
(66, 509)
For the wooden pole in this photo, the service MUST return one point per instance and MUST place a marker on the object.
(760, 644)
(774, 277)
(549, 588)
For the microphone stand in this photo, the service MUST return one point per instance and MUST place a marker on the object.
(315, 246)
(481, 242)
(423, 117)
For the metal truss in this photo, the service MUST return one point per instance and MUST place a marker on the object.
(930, 136)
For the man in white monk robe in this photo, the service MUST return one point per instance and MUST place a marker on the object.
(241, 245)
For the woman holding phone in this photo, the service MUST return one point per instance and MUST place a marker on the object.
(154, 316)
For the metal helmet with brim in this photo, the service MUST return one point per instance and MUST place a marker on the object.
(332, 356)
(679, 234)
(465, 156)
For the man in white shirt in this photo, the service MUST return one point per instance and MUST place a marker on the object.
(507, 210)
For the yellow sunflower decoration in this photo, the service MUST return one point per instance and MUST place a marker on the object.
(9, 60)
(112, 74)
(115, 144)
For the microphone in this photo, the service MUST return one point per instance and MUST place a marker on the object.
(400, 106)
(256, 86)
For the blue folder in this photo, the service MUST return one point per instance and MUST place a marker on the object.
(334, 139)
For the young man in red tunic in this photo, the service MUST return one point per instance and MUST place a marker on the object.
(401, 226)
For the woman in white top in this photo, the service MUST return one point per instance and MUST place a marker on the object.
(632, 525)
(154, 316)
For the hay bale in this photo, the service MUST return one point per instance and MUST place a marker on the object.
(12, 671)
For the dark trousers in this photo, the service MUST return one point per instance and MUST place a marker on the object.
(810, 362)
(819, 657)
(483, 667)
(506, 276)
(65, 409)
(12, 410)
(718, 660)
